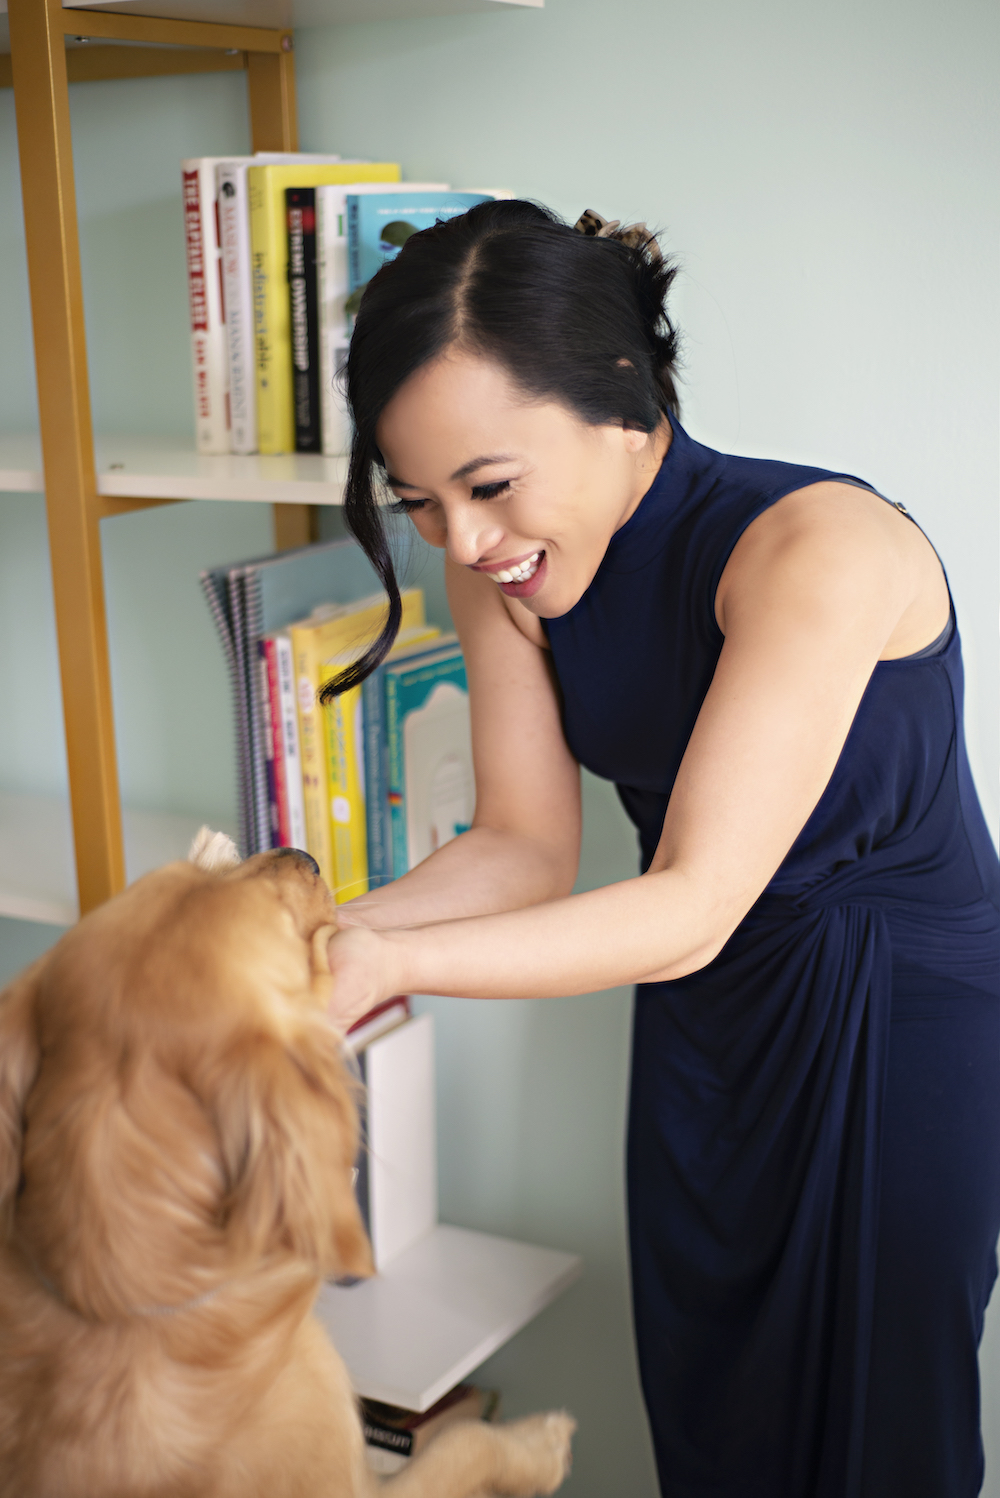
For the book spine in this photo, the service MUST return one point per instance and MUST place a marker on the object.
(275, 423)
(237, 288)
(267, 745)
(312, 749)
(331, 291)
(353, 241)
(300, 207)
(346, 793)
(376, 781)
(209, 350)
(396, 791)
(296, 834)
(281, 830)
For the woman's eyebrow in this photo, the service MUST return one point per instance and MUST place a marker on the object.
(467, 468)
(460, 473)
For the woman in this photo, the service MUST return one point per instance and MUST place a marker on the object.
(763, 657)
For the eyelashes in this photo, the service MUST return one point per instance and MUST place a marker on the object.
(480, 491)
(490, 491)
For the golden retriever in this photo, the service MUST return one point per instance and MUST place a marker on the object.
(177, 1135)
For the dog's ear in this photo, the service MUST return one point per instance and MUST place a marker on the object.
(288, 1127)
(19, 1058)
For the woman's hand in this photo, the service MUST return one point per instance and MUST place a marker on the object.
(359, 965)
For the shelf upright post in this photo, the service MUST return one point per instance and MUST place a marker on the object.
(274, 127)
(41, 97)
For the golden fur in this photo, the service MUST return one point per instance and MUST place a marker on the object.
(177, 1133)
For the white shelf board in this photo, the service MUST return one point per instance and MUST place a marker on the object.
(37, 875)
(438, 1310)
(162, 468)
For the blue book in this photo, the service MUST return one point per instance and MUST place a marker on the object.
(376, 753)
(431, 784)
(379, 224)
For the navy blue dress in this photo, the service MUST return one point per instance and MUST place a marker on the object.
(814, 1133)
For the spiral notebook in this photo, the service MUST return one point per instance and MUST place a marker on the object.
(249, 600)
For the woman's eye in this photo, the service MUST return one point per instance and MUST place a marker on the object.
(407, 506)
(490, 491)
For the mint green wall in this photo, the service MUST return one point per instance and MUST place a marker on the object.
(828, 178)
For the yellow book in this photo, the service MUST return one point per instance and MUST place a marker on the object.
(345, 764)
(269, 261)
(331, 633)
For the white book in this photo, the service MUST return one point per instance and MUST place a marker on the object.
(234, 249)
(209, 353)
(401, 1137)
(333, 289)
(290, 740)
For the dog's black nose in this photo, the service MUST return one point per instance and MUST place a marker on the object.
(299, 853)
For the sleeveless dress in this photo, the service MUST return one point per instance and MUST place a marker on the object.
(814, 1132)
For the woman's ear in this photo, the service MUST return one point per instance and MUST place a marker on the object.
(288, 1129)
(19, 1059)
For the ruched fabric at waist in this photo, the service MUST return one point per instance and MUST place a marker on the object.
(938, 951)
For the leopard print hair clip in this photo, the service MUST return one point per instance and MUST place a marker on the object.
(636, 236)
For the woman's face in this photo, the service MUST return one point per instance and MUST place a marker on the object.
(521, 490)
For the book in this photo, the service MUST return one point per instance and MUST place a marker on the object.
(379, 224)
(268, 255)
(209, 353)
(249, 600)
(287, 747)
(300, 208)
(237, 289)
(333, 289)
(397, 1170)
(331, 632)
(377, 824)
(347, 785)
(394, 1435)
(385, 1016)
(429, 748)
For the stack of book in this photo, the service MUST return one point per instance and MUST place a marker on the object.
(393, 1436)
(279, 249)
(379, 778)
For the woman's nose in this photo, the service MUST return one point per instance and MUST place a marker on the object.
(472, 535)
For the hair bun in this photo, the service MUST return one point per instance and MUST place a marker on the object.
(636, 236)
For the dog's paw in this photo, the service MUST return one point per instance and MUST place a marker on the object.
(536, 1454)
(213, 850)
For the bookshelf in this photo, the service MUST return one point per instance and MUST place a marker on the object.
(442, 1307)
(438, 1310)
(45, 45)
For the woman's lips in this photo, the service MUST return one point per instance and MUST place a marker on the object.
(530, 585)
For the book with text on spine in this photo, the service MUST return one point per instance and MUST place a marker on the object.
(237, 289)
(210, 356)
(347, 785)
(432, 787)
(331, 631)
(333, 289)
(378, 225)
(377, 817)
(269, 269)
(300, 208)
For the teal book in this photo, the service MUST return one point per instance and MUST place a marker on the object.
(431, 785)
(379, 224)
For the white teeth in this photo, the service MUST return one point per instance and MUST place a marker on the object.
(521, 572)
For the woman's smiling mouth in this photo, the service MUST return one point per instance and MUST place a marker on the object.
(518, 579)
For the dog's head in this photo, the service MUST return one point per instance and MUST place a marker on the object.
(173, 1103)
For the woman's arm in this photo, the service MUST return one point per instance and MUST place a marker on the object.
(816, 592)
(524, 845)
